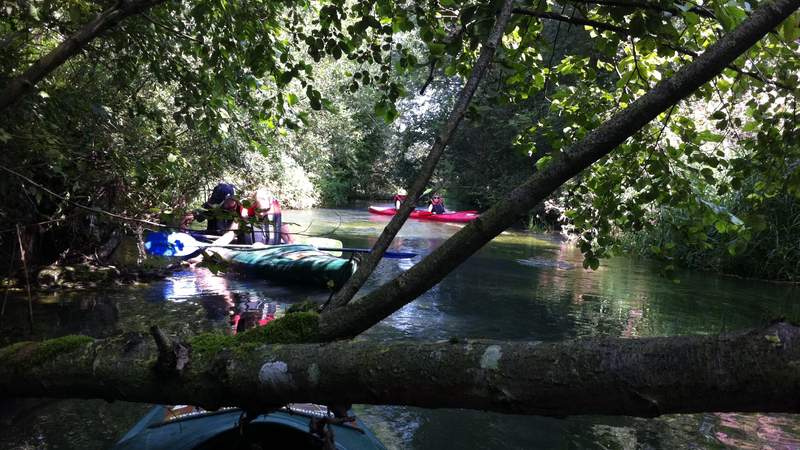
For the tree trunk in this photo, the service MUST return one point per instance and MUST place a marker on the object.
(21, 85)
(747, 371)
(368, 264)
(360, 315)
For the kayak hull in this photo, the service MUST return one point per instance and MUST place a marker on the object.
(161, 429)
(455, 216)
(292, 263)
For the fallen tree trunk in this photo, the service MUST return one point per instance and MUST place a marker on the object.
(755, 370)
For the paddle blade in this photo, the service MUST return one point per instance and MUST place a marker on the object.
(399, 255)
(170, 244)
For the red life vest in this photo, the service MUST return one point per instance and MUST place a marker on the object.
(259, 231)
(274, 208)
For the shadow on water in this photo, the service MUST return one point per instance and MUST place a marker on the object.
(519, 287)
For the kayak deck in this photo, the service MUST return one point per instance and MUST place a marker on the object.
(186, 427)
(454, 216)
(295, 263)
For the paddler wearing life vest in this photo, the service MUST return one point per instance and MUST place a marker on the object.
(399, 198)
(437, 204)
(264, 220)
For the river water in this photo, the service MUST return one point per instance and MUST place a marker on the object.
(521, 286)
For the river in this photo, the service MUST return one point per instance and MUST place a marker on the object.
(522, 286)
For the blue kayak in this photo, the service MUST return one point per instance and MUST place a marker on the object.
(184, 428)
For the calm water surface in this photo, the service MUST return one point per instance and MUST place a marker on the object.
(519, 287)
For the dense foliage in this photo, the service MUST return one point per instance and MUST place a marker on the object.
(326, 102)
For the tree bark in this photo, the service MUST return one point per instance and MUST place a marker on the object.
(21, 85)
(368, 264)
(746, 371)
(362, 314)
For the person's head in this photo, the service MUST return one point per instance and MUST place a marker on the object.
(436, 198)
(223, 196)
(262, 199)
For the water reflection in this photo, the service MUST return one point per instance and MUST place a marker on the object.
(202, 286)
(751, 431)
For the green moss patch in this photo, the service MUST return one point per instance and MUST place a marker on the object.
(35, 353)
(51, 348)
(10, 351)
(308, 305)
(294, 328)
(209, 344)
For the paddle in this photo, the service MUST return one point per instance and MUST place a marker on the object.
(183, 244)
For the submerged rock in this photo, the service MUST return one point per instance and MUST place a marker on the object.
(75, 275)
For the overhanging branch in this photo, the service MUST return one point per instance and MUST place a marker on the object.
(573, 20)
(25, 82)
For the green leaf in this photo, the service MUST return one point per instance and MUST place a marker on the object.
(543, 162)
(390, 114)
(426, 34)
(436, 49)
(790, 29)
(291, 99)
(719, 115)
(380, 108)
(710, 136)
(707, 174)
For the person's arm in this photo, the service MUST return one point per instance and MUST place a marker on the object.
(430, 207)
(186, 221)
(199, 215)
(226, 238)
(286, 235)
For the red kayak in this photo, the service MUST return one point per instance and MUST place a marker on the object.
(455, 216)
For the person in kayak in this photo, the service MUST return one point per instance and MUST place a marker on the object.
(399, 198)
(220, 211)
(437, 204)
(263, 215)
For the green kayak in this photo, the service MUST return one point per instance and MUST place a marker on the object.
(298, 263)
(185, 427)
